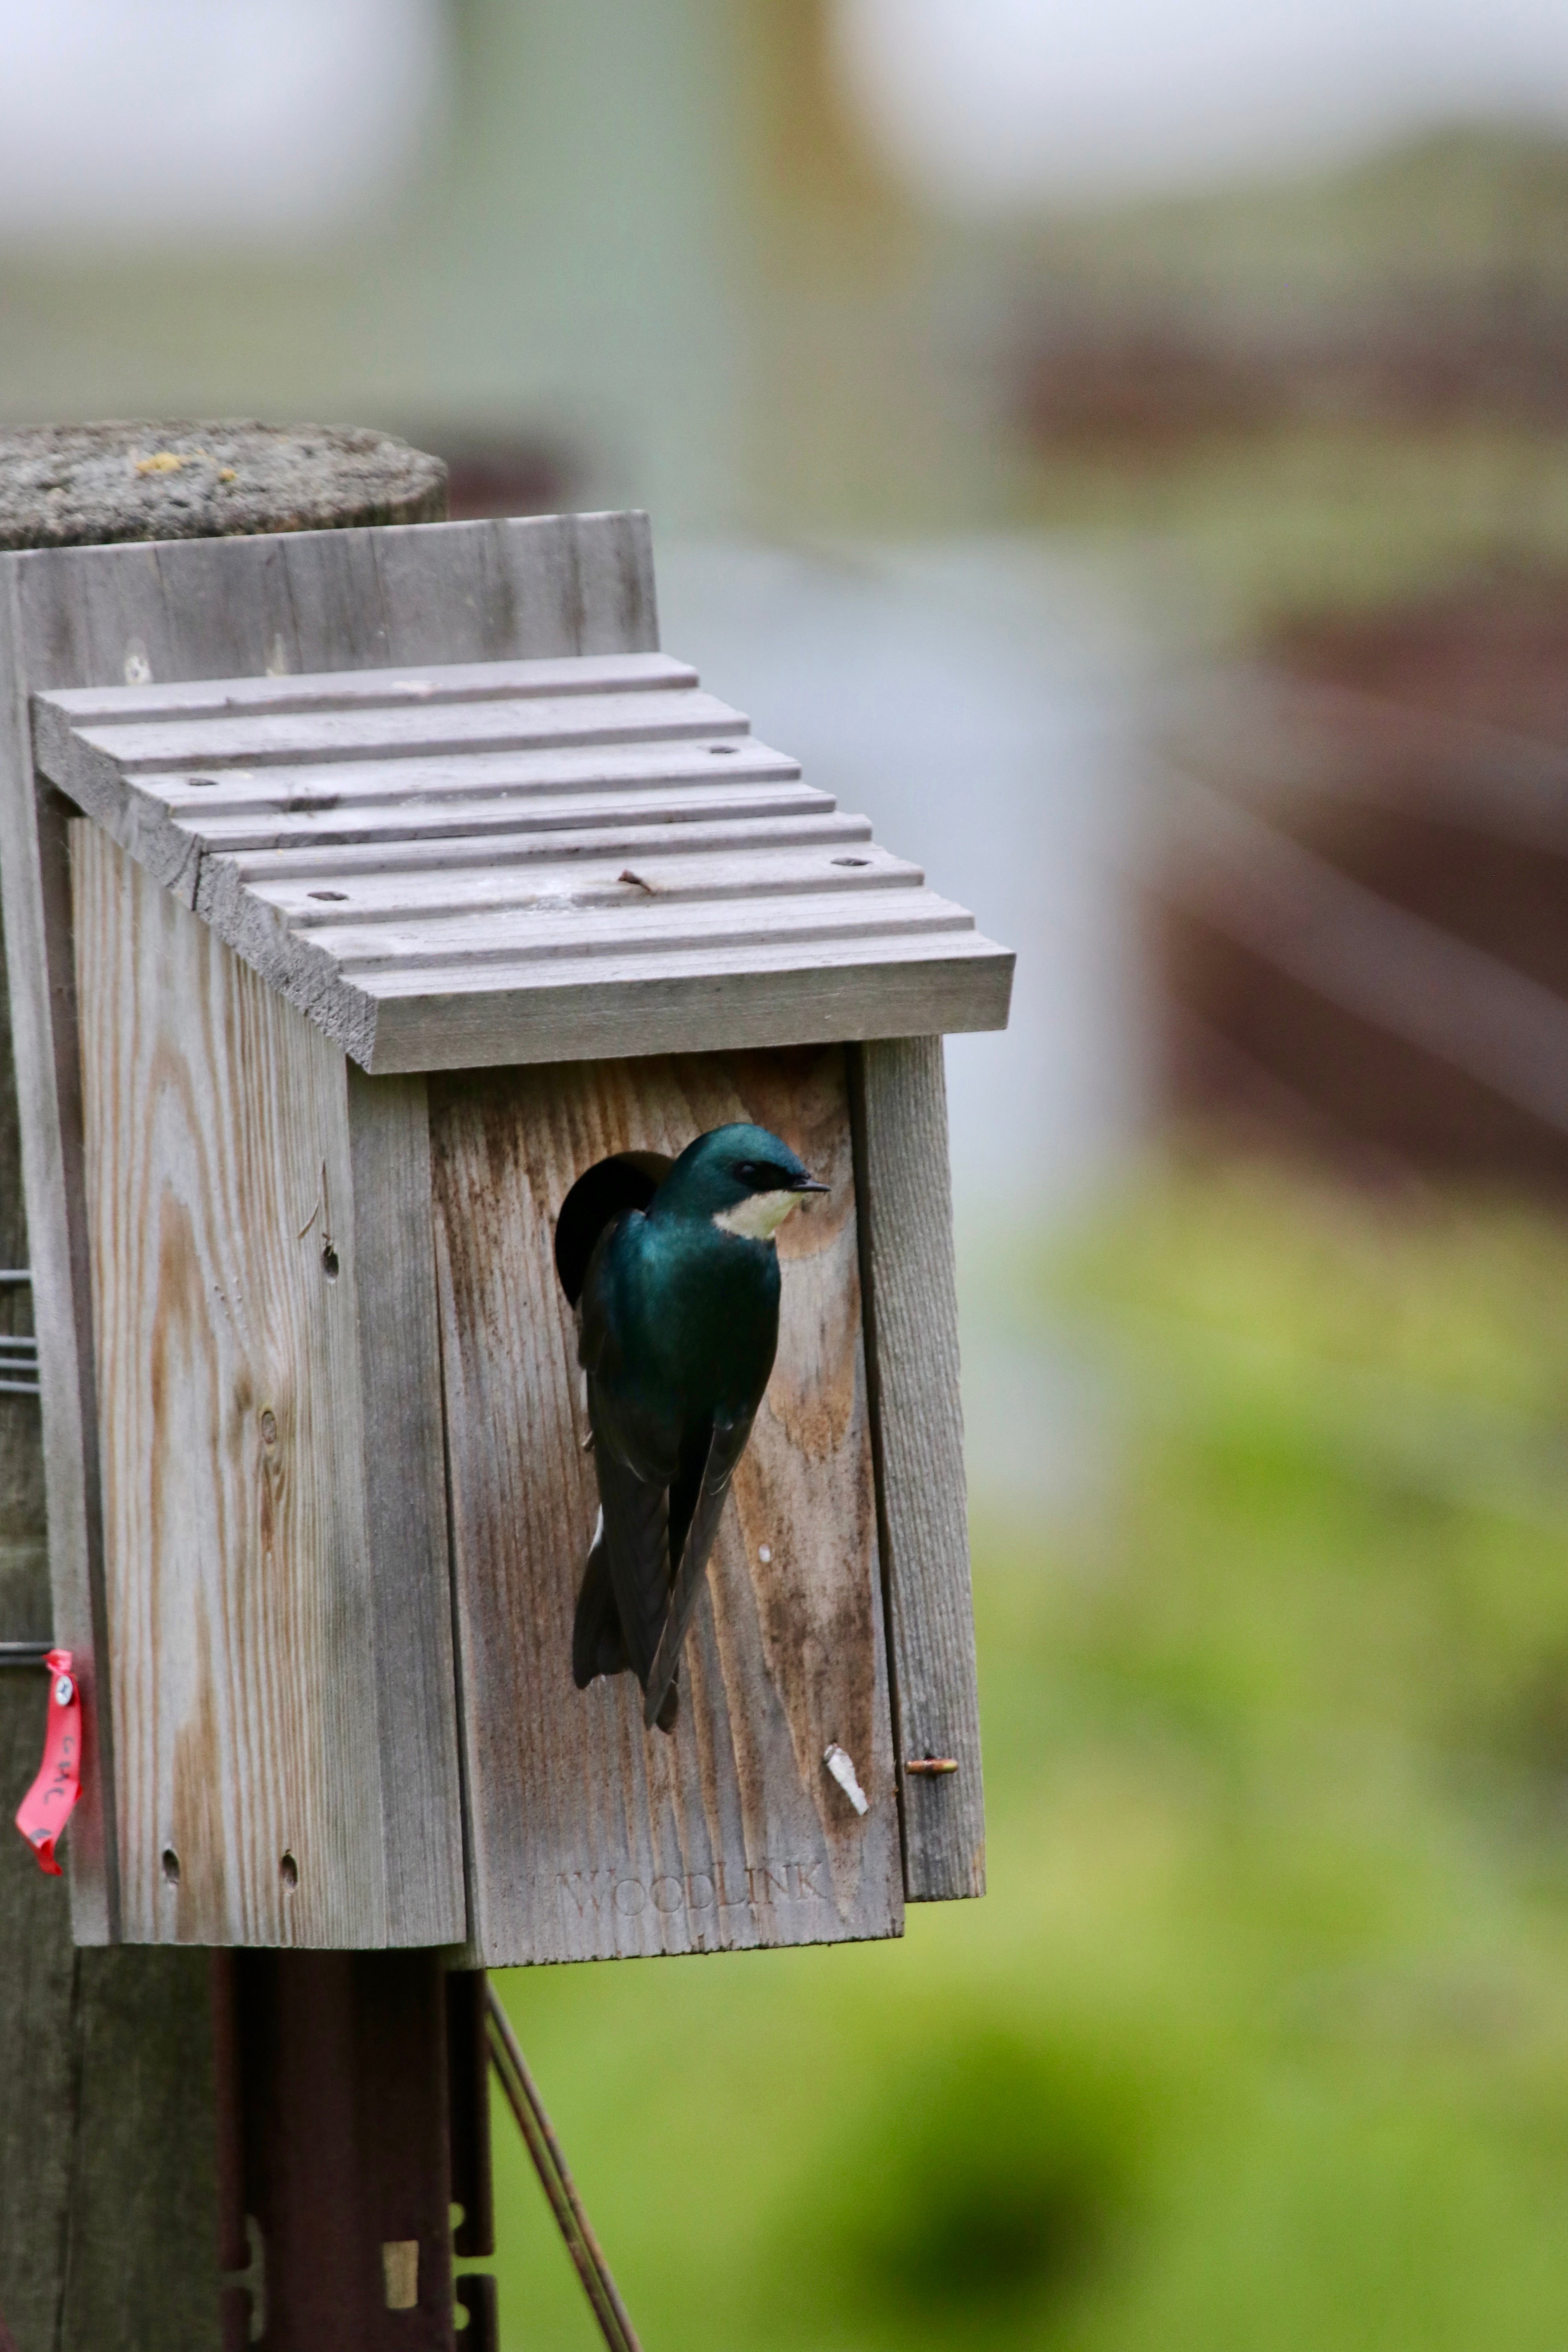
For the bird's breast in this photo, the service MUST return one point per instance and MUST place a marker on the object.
(711, 1314)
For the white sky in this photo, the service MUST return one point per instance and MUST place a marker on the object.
(123, 121)
(998, 105)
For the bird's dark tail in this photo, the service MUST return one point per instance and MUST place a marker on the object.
(598, 1644)
(598, 1639)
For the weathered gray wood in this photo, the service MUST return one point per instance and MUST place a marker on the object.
(912, 1322)
(182, 699)
(727, 999)
(278, 1592)
(716, 820)
(109, 2220)
(590, 1837)
(95, 616)
(398, 970)
(608, 770)
(270, 739)
(683, 867)
(36, 880)
(391, 1259)
(106, 2157)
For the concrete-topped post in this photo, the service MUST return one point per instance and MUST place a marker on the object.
(107, 2197)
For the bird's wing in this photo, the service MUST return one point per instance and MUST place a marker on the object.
(725, 1448)
(634, 1496)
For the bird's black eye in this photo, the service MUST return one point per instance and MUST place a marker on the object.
(762, 1175)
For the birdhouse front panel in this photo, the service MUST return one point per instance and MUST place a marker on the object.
(487, 1171)
(590, 1834)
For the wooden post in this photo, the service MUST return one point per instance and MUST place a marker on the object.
(109, 2204)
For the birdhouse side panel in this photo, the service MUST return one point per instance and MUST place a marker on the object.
(591, 1837)
(911, 1303)
(240, 1582)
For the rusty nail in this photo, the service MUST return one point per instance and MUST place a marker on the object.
(931, 1765)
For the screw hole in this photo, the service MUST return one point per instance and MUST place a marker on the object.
(329, 1263)
(851, 861)
(721, 751)
(338, 898)
(170, 1865)
(200, 780)
(289, 1871)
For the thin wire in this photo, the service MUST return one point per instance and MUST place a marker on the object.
(522, 2097)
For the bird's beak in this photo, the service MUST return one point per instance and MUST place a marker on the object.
(810, 1184)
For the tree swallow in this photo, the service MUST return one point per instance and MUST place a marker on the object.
(680, 1325)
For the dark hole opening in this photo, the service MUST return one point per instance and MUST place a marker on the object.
(628, 1181)
(289, 1871)
(329, 1263)
(338, 898)
(851, 861)
(170, 1865)
(721, 751)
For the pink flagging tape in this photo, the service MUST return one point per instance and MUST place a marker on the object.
(47, 1806)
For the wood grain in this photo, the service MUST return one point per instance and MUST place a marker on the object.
(900, 1103)
(106, 2157)
(278, 1617)
(426, 684)
(590, 1837)
(184, 794)
(722, 997)
(308, 603)
(34, 878)
(391, 1260)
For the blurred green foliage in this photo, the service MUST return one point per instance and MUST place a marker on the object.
(1261, 2040)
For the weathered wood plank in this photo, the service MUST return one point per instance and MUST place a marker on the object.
(745, 867)
(381, 731)
(35, 882)
(428, 684)
(673, 826)
(723, 1000)
(590, 1837)
(912, 1320)
(266, 1658)
(392, 1257)
(638, 922)
(599, 770)
(540, 584)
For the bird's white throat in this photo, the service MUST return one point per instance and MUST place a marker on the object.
(758, 1217)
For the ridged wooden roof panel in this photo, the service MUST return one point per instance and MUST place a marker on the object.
(520, 861)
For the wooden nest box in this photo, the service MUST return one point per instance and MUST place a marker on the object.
(362, 890)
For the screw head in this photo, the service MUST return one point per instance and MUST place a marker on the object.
(65, 1690)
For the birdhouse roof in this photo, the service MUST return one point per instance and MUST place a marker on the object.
(520, 861)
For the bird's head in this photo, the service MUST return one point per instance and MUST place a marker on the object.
(741, 1179)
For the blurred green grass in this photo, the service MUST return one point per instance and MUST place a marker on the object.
(1260, 2039)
